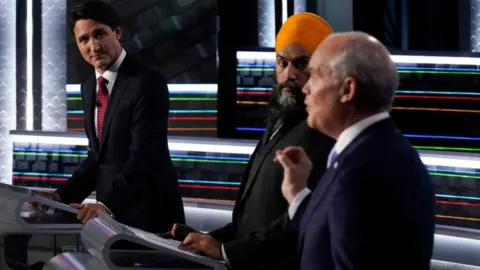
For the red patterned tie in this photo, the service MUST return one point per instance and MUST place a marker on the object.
(102, 102)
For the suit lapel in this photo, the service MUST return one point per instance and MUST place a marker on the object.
(329, 176)
(259, 159)
(117, 92)
(89, 94)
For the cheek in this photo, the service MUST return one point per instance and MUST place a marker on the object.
(316, 98)
(320, 105)
(84, 50)
(279, 75)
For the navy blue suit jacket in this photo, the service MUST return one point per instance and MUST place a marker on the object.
(373, 210)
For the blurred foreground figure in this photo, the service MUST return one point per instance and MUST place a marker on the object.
(374, 206)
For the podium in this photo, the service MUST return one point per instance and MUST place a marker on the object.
(113, 245)
(19, 221)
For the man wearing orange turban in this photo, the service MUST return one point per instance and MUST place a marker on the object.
(305, 29)
(259, 236)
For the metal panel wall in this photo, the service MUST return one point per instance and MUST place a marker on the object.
(7, 86)
(475, 25)
(54, 65)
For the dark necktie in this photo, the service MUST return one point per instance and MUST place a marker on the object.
(102, 103)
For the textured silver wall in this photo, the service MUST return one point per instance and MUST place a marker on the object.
(54, 65)
(7, 86)
(266, 23)
(475, 25)
(299, 6)
(338, 13)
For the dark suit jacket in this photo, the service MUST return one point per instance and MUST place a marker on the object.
(257, 237)
(374, 210)
(130, 169)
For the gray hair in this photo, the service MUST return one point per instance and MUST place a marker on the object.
(366, 60)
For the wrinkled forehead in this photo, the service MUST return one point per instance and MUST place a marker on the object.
(319, 60)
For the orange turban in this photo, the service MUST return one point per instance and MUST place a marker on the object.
(306, 29)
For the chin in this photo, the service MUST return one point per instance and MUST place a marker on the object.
(101, 63)
(311, 122)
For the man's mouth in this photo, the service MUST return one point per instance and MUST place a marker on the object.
(96, 57)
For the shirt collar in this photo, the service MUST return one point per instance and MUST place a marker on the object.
(111, 74)
(349, 134)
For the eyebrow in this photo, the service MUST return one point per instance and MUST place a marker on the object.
(312, 70)
(96, 30)
(302, 57)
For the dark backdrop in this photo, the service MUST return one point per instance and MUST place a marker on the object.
(426, 25)
(178, 37)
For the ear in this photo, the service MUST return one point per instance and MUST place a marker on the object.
(348, 90)
(118, 33)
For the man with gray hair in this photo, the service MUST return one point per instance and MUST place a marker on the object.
(374, 207)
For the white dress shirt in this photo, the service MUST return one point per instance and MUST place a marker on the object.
(345, 138)
(110, 75)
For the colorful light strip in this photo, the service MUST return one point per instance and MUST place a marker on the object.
(448, 196)
(171, 118)
(458, 203)
(399, 67)
(436, 97)
(419, 92)
(432, 92)
(438, 72)
(208, 146)
(56, 177)
(445, 148)
(434, 109)
(213, 159)
(248, 102)
(172, 88)
(422, 136)
(83, 153)
(234, 147)
(401, 59)
(458, 218)
(171, 111)
(255, 93)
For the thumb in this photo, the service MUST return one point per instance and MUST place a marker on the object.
(285, 161)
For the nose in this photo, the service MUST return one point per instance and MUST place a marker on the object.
(94, 45)
(291, 72)
(306, 88)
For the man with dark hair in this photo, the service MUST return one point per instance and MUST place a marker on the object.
(126, 113)
(258, 237)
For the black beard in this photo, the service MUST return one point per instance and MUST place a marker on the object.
(286, 114)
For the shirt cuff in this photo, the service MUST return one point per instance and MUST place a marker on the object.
(224, 255)
(108, 210)
(292, 209)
